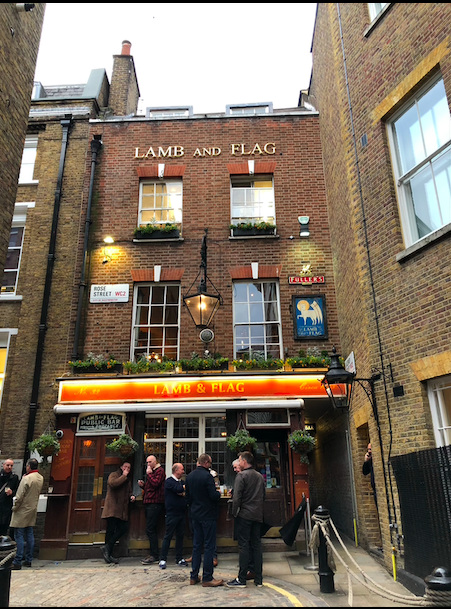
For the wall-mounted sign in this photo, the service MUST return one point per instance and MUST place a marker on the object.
(306, 280)
(106, 423)
(109, 293)
(175, 151)
(309, 316)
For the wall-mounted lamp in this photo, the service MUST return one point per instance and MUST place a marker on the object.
(107, 253)
(304, 222)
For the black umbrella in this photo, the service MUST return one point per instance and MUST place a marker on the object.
(289, 530)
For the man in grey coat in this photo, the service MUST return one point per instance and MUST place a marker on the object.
(247, 508)
(25, 511)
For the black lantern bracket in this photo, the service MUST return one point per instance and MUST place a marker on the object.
(202, 305)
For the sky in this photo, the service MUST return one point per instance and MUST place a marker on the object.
(185, 54)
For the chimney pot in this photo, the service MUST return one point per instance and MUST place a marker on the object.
(126, 46)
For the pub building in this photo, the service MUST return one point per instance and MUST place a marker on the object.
(158, 212)
(207, 176)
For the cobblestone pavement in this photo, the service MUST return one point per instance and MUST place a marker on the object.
(92, 583)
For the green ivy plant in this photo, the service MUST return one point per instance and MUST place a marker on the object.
(261, 363)
(241, 440)
(251, 225)
(147, 229)
(97, 361)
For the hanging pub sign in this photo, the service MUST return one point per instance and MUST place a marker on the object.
(309, 316)
(105, 423)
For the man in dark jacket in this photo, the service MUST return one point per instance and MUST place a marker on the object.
(247, 508)
(115, 510)
(175, 504)
(8, 487)
(153, 501)
(203, 499)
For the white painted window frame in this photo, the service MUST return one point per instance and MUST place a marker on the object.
(31, 142)
(441, 418)
(178, 210)
(270, 212)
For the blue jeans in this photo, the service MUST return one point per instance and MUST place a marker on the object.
(20, 533)
(204, 535)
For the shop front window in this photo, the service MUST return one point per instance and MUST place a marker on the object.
(181, 439)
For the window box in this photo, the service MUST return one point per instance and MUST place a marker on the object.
(253, 232)
(116, 368)
(96, 364)
(157, 234)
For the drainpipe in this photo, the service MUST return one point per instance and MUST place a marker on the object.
(65, 124)
(96, 145)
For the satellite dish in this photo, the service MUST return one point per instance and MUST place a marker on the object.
(206, 335)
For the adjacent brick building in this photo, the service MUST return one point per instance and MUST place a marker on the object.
(381, 83)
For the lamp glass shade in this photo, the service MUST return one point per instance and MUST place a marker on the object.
(202, 307)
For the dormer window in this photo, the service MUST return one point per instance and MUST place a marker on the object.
(169, 112)
(249, 109)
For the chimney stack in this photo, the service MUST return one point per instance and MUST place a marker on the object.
(124, 90)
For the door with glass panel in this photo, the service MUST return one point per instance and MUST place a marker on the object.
(94, 463)
(181, 438)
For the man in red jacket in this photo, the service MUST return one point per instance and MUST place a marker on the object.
(153, 501)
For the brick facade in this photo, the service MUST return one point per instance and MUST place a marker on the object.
(20, 33)
(404, 321)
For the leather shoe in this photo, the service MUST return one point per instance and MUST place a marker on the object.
(106, 555)
(190, 559)
(250, 575)
(214, 583)
(194, 581)
(15, 567)
(215, 562)
(27, 563)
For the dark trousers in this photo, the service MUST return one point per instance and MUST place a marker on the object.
(153, 511)
(249, 540)
(175, 523)
(115, 528)
(204, 536)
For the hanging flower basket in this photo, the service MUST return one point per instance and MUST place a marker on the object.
(124, 445)
(46, 445)
(301, 442)
(241, 440)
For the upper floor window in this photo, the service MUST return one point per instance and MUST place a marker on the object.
(252, 199)
(420, 139)
(13, 257)
(156, 320)
(170, 112)
(5, 336)
(439, 392)
(160, 202)
(376, 8)
(256, 317)
(28, 160)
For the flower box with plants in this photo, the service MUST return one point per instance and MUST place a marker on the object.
(45, 445)
(95, 363)
(312, 358)
(123, 445)
(155, 230)
(258, 363)
(150, 364)
(301, 442)
(253, 229)
(241, 440)
(217, 362)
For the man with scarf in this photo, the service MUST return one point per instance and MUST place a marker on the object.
(8, 487)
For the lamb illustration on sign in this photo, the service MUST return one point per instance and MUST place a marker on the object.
(309, 316)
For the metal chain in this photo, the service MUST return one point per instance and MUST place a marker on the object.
(5, 560)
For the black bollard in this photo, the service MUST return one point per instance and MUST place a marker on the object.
(326, 575)
(7, 550)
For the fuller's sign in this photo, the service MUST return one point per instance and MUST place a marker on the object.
(306, 280)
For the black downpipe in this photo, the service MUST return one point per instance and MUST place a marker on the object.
(65, 124)
(96, 144)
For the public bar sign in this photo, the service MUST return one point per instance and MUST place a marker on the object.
(103, 422)
(109, 293)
